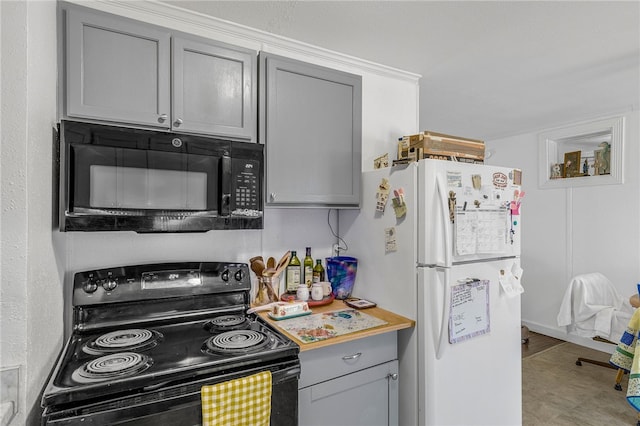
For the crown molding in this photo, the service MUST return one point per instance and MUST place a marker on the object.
(196, 23)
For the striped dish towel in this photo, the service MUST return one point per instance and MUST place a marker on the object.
(240, 402)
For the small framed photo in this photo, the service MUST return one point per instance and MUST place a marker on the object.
(360, 303)
(572, 164)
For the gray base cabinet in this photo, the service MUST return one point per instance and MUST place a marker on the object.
(350, 384)
(311, 125)
(124, 71)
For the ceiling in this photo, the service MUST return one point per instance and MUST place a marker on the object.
(489, 69)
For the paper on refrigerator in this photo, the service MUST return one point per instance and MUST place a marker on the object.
(510, 281)
(481, 231)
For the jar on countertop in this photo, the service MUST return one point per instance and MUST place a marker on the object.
(317, 292)
(302, 293)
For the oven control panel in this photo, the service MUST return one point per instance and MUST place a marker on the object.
(158, 281)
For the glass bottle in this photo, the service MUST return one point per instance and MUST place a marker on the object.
(308, 268)
(293, 273)
(318, 272)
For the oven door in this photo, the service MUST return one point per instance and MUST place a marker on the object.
(180, 404)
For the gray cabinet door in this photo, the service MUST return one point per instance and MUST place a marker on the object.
(117, 70)
(213, 89)
(368, 397)
(310, 123)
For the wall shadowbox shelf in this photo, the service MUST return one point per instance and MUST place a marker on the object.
(584, 154)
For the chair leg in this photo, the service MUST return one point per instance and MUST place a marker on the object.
(619, 375)
(592, 361)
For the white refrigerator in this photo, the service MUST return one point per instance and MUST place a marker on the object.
(452, 264)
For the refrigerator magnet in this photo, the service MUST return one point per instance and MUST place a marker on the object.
(452, 206)
(454, 179)
(399, 205)
(381, 162)
(382, 195)
(476, 180)
(517, 176)
(390, 240)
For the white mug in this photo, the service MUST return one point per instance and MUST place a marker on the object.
(326, 288)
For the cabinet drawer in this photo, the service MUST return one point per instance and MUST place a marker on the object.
(334, 361)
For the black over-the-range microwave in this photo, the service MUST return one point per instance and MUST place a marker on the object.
(124, 179)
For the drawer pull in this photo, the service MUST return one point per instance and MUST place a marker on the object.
(354, 356)
(393, 376)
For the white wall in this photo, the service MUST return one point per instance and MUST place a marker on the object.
(31, 303)
(571, 231)
(37, 261)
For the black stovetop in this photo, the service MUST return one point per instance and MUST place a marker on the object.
(181, 354)
(174, 301)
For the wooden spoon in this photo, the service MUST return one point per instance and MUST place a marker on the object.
(271, 262)
(283, 263)
(257, 266)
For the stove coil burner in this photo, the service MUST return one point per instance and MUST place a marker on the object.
(226, 323)
(111, 367)
(134, 339)
(237, 342)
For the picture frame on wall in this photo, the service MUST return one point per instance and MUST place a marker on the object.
(572, 164)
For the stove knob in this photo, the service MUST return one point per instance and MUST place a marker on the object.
(90, 285)
(239, 275)
(225, 275)
(110, 284)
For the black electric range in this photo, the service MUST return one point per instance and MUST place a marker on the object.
(146, 338)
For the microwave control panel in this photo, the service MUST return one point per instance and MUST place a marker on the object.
(246, 185)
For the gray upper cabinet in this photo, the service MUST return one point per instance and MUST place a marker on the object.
(311, 125)
(213, 88)
(117, 70)
(124, 71)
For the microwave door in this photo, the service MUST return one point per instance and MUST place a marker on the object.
(123, 179)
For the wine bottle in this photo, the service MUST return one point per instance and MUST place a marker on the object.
(318, 272)
(293, 273)
(308, 268)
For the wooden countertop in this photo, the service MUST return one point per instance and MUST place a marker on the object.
(394, 322)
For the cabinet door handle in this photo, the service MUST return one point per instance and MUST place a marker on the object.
(163, 118)
(393, 376)
(273, 196)
(178, 122)
(354, 356)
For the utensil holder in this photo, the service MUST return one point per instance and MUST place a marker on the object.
(266, 293)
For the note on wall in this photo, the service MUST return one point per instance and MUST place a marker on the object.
(469, 313)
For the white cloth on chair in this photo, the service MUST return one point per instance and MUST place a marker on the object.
(592, 307)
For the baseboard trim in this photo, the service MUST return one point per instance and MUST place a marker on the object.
(563, 335)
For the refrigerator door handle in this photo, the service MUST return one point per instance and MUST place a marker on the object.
(444, 324)
(446, 226)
